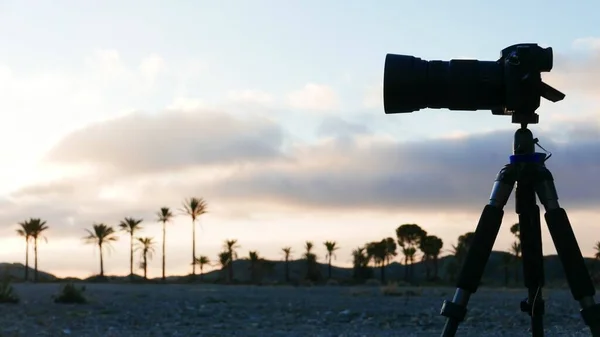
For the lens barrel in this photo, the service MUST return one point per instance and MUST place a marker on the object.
(411, 84)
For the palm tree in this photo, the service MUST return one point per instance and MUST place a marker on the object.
(201, 261)
(130, 226)
(331, 248)
(164, 215)
(597, 249)
(507, 258)
(102, 235)
(37, 228)
(360, 264)
(436, 249)
(25, 232)
(146, 246)
(230, 246)
(515, 249)
(254, 265)
(409, 236)
(224, 261)
(287, 254)
(431, 246)
(376, 253)
(312, 273)
(194, 207)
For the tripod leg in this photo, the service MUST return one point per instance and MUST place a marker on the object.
(576, 272)
(479, 251)
(533, 259)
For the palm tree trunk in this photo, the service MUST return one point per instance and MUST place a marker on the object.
(145, 267)
(287, 270)
(193, 246)
(329, 271)
(517, 270)
(435, 267)
(382, 271)
(131, 256)
(26, 259)
(35, 277)
(230, 266)
(405, 267)
(101, 261)
(201, 272)
(163, 251)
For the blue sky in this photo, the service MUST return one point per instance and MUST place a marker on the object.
(302, 80)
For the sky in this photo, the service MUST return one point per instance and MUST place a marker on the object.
(272, 112)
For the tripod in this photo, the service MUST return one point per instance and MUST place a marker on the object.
(528, 171)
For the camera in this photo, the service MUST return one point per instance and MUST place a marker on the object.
(509, 86)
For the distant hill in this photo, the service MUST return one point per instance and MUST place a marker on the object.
(494, 273)
(16, 271)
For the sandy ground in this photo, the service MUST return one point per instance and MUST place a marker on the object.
(212, 310)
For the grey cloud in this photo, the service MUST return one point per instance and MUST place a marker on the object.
(338, 127)
(430, 175)
(140, 143)
(351, 172)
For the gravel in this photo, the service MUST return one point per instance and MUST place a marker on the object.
(213, 310)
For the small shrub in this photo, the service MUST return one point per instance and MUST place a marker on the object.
(70, 294)
(306, 283)
(372, 282)
(7, 293)
(332, 282)
(393, 289)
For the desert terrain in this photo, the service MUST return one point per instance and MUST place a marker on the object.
(219, 310)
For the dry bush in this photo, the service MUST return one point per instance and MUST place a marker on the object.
(394, 289)
(373, 282)
(7, 293)
(332, 282)
(70, 294)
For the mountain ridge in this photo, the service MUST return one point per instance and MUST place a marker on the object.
(494, 273)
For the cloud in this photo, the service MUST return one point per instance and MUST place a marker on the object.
(251, 96)
(374, 97)
(151, 66)
(578, 70)
(318, 97)
(244, 167)
(143, 143)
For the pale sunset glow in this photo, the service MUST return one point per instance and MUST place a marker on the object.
(272, 112)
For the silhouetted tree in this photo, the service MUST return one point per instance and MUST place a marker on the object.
(360, 264)
(287, 254)
(431, 246)
(381, 252)
(164, 215)
(224, 261)
(597, 249)
(102, 235)
(312, 272)
(146, 248)
(255, 261)
(202, 261)
(230, 246)
(194, 207)
(409, 237)
(25, 232)
(507, 259)
(37, 228)
(130, 226)
(331, 247)
(515, 248)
